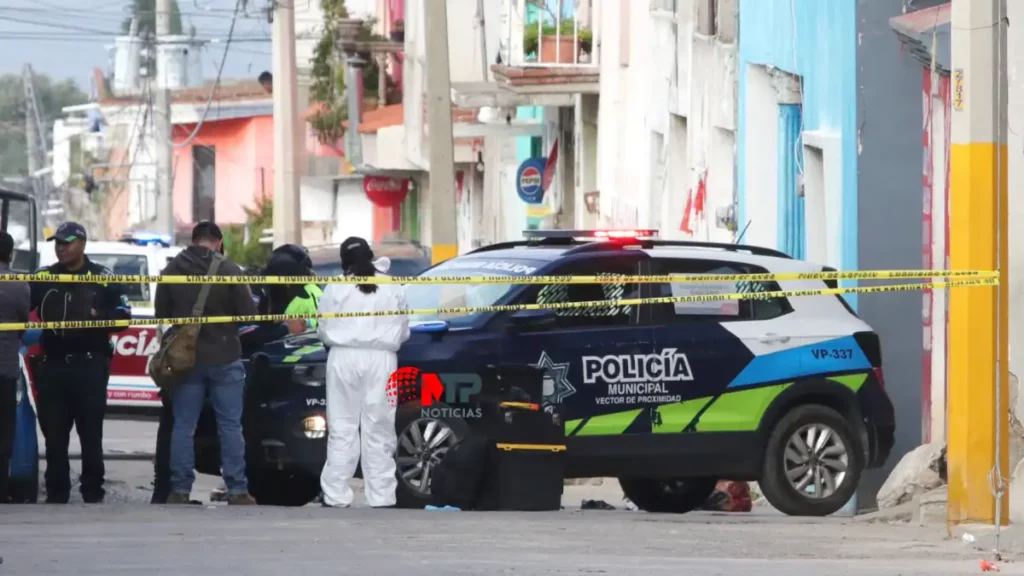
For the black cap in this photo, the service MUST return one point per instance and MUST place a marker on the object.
(295, 252)
(68, 232)
(354, 249)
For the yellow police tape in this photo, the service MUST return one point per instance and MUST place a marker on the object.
(8, 326)
(602, 279)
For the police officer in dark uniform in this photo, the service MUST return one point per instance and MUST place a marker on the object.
(72, 377)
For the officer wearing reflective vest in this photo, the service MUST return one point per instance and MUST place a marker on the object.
(72, 377)
(285, 260)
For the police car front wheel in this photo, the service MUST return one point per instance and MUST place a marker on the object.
(812, 463)
(425, 435)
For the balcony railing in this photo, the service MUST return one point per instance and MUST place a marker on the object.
(549, 33)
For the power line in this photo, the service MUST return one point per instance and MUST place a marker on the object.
(216, 84)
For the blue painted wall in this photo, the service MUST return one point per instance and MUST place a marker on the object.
(817, 40)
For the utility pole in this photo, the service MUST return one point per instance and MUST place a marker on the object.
(287, 209)
(481, 21)
(35, 144)
(443, 209)
(162, 125)
(978, 401)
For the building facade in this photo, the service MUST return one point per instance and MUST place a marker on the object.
(668, 117)
(829, 164)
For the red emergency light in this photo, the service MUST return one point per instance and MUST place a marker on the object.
(618, 235)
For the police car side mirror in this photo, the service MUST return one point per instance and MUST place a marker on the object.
(531, 319)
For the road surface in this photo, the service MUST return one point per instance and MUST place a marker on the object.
(126, 536)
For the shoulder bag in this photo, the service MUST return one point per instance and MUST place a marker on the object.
(176, 358)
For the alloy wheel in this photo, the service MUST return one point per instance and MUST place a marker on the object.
(421, 447)
(816, 461)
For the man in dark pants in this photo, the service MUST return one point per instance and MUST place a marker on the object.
(72, 379)
(14, 303)
(251, 337)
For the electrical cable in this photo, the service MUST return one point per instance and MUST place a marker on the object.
(216, 84)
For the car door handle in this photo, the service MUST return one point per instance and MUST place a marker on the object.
(772, 338)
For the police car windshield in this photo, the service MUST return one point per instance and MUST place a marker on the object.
(130, 265)
(468, 295)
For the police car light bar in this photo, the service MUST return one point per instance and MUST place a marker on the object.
(147, 239)
(635, 234)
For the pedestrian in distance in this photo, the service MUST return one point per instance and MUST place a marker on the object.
(73, 375)
(15, 299)
(218, 372)
(362, 355)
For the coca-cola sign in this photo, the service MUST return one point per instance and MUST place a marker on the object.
(385, 191)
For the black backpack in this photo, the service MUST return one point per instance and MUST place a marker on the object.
(459, 478)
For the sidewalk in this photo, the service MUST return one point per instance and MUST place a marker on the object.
(121, 438)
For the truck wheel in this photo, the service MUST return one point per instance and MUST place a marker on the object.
(812, 463)
(423, 441)
(673, 496)
(283, 487)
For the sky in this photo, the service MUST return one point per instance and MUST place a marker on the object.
(68, 38)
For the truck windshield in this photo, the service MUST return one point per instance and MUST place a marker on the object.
(467, 295)
(17, 218)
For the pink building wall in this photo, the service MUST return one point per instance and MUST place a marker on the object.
(244, 170)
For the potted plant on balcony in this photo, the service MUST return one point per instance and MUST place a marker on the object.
(398, 31)
(553, 44)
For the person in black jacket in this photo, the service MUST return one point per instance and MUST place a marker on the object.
(218, 373)
(14, 305)
(73, 376)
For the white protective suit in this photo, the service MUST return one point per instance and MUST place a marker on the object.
(360, 421)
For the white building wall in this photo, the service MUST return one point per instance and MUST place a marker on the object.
(463, 41)
(624, 138)
(667, 118)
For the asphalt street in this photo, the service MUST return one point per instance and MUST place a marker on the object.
(126, 535)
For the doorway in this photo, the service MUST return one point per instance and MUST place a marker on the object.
(791, 222)
(204, 183)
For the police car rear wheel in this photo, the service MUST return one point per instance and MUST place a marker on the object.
(422, 444)
(671, 495)
(812, 463)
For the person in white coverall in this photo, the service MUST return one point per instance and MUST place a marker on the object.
(362, 355)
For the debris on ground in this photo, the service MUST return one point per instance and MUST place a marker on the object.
(987, 566)
(596, 505)
(921, 470)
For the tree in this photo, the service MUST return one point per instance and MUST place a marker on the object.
(145, 11)
(52, 97)
(245, 248)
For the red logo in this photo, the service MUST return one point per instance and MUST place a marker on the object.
(411, 384)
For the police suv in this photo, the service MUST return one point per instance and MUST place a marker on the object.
(669, 398)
